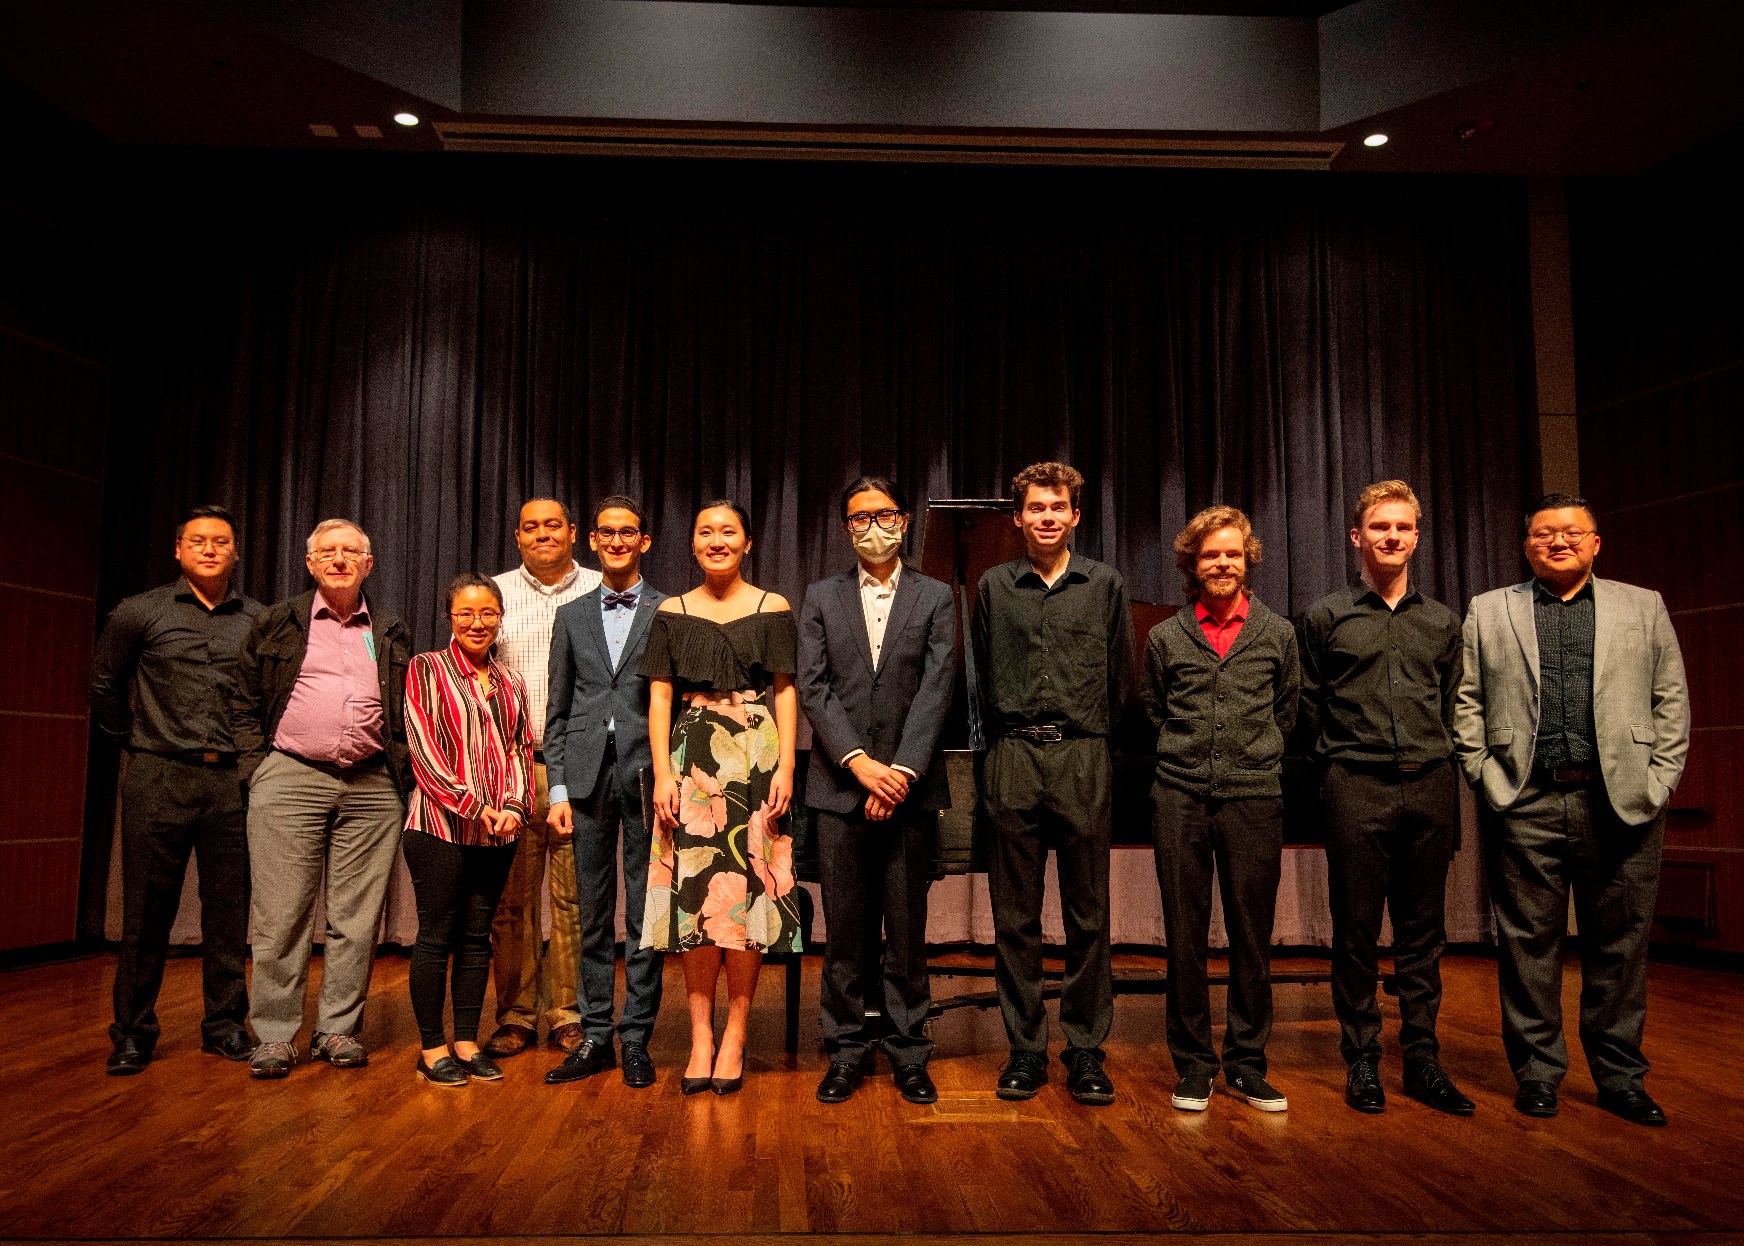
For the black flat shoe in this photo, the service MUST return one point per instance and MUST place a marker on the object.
(1023, 1075)
(1429, 1085)
(236, 1045)
(483, 1068)
(915, 1084)
(840, 1081)
(1362, 1088)
(127, 1059)
(694, 1085)
(1536, 1098)
(1633, 1105)
(445, 1072)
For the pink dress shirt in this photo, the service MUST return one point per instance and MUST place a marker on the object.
(335, 711)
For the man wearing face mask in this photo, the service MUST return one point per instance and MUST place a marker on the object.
(877, 658)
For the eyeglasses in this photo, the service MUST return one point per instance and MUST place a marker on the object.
(886, 519)
(351, 552)
(629, 536)
(490, 618)
(1544, 536)
(202, 542)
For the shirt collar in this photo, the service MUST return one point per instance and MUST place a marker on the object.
(868, 580)
(550, 590)
(1074, 571)
(185, 592)
(1359, 588)
(361, 614)
(1542, 592)
(1205, 617)
(605, 588)
(464, 663)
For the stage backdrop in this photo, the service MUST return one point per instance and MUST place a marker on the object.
(419, 343)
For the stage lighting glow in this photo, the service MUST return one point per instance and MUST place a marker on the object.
(406, 118)
(1375, 140)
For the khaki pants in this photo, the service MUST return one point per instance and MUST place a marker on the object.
(533, 980)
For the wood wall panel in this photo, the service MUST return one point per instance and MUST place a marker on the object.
(47, 649)
(1714, 663)
(34, 498)
(39, 892)
(1711, 790)
(1727, 931)
(1677, 547)
(1666, 443)
(1666, 330)
(52, 407)
(42, 795)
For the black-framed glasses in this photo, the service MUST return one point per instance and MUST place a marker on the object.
(629, 536)
(862, 520)
(466, 618)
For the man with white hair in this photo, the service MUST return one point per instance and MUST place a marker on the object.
(319, 726)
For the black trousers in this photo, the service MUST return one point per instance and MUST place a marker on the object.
(1040, 797)
(1551, 842)
(875, 883)
(169, 810)
(1244, 840)
(1390, 838)
(457, 888)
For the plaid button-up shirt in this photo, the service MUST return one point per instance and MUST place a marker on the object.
(524, 643)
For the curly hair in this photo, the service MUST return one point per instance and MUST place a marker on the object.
(1384, 491)
(1211, 519)
(1046, 476)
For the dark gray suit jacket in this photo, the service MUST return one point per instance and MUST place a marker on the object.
(895, 712)
(587, 692)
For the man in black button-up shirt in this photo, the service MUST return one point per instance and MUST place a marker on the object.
(1052, 647)
(1380, 667)
(174, 649)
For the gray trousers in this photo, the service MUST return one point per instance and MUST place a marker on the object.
(304, 824)
(1549, 843)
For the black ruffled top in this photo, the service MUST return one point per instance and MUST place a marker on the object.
(698, 654)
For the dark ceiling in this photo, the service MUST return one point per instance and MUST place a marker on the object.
(1459, 85)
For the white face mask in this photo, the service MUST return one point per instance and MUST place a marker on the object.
(877, 544)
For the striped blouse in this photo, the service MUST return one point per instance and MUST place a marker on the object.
(470, 750)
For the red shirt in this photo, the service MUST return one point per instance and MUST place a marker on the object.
(1221, 635)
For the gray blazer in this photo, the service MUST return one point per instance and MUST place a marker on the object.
(896, 711)
(587, 692)
(1640, 700)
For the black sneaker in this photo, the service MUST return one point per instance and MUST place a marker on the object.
(1257, 1091)
(1362, 1087)
(1192, 1093)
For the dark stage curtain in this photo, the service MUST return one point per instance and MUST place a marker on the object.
(421, 342)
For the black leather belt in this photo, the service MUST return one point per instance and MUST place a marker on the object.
(1390, 765)
(1046, 733)
(539, 756)
(1564, 776)
(334, 768)
(207, 757)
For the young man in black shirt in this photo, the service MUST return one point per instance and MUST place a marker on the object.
(174, 649)
(1380, 667)
(1053, 650)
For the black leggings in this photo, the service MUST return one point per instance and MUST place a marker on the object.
(458, 889)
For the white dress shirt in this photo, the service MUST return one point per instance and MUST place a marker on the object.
(529, 614)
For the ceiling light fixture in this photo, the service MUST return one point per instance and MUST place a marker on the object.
(1375, 140)
(406, 118)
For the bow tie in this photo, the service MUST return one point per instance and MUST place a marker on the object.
(625, 599)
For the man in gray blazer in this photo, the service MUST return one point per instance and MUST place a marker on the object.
(1572, 721)
(877, 659)
(596, 748)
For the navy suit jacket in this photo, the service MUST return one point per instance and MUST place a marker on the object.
(587, 692)
(896, 711)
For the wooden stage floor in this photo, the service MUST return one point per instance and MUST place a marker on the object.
(192, 1150)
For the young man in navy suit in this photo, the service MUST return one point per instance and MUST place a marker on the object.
(596, 748)
(877, 657)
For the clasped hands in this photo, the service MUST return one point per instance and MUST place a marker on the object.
(499, 823)
(886, 787)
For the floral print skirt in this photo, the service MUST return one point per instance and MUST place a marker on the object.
(723, 877)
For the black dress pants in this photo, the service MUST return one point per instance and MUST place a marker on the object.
(1057, 796)
(457, 887)
(1551, 842)
(1244, 840)
(1389, 840)
(169, 809)
(875, 881)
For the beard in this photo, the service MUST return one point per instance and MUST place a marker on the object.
(1220, 588)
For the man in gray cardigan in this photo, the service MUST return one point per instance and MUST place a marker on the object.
(1220, 686)
(1572, 721)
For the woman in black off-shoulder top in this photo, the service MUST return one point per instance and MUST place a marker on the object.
(721, 888)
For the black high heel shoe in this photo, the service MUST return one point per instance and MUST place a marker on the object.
(694, 1085)
(727, 1085)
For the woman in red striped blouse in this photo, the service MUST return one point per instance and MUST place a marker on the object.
(472, 754)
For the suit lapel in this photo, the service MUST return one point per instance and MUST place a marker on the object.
(848, 600)
(1601, 630)
(906, 591)
(590, 623)
(1188, 616)
(646, 605)
(1525, 628)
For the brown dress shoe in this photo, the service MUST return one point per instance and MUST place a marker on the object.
(567, 1036)
(509, 1040)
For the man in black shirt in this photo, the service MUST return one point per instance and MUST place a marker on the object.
(1380, 666)
(1052, 649)
(174, 649)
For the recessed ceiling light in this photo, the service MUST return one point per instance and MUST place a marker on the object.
(406, 118)
(323, 131)
(1375, 140)
(367, 131)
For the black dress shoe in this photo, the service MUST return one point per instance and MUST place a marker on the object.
(584, 1061)
(1023, 1075)
(1633, 1105)
(839, 1081)
(236, 1045)
(638, 1068)
(1426, 1082)
(482, 1067)
(1085, 1079)
(447, 1071)
(1536, 1098)
(127, 1059)
(915, 1084)
(1362, 1087)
